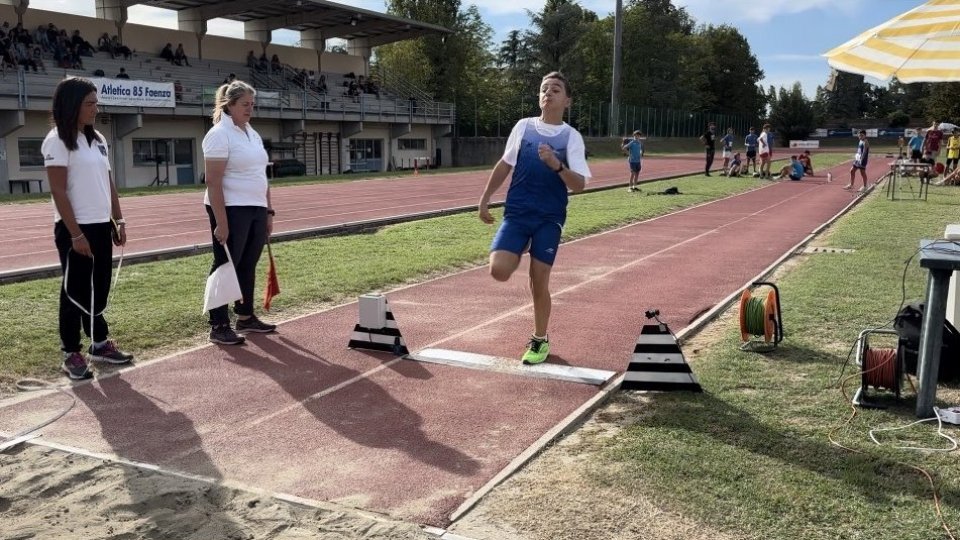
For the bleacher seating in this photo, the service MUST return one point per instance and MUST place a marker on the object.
(200, 80)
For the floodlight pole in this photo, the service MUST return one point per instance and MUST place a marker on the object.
(617, 60)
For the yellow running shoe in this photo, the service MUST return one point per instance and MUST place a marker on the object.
(537, 351)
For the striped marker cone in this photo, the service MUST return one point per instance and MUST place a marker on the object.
(658, 363)
(386, 339)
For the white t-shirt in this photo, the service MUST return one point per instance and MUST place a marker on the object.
(245, 177)
(88, 175)
(764, 143)
(576, 151)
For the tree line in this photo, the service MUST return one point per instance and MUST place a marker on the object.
(669, 62)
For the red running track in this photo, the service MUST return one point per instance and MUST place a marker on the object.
(156, 222)
(297, 412)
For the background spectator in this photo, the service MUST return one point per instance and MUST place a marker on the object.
(104, 45)
(167, 52)
(180, 57)
(120, 48)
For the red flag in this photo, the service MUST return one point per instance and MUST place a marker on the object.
(273, 285)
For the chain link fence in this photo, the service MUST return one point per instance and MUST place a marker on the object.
(593, 119)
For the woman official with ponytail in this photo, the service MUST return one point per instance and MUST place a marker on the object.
(237, 202)
(88, 223)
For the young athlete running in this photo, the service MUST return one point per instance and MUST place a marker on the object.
(547, 158)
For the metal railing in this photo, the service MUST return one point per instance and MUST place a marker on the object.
(400, 86)
(274, 98)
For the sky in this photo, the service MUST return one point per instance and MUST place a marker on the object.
(786, 36)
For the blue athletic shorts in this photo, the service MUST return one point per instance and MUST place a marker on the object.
(543, 237)
(795, 177)
(635, 166)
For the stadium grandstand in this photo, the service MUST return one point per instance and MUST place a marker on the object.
(318, 112)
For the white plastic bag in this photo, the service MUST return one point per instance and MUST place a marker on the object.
(223, 286)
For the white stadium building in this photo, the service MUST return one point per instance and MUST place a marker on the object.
(155, 120)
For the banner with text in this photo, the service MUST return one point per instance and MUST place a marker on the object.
(131, 93)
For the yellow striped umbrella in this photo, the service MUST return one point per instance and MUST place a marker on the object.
(921, 45)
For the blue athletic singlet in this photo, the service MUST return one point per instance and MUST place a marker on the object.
(536, 192)
(863, 153)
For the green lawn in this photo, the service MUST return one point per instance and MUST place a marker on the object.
(155, 308)
(751, 455)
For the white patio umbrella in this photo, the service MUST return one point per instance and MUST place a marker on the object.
(921, 45)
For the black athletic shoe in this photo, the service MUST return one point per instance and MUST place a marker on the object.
(225, 335)
(109, 353)
(253, 324)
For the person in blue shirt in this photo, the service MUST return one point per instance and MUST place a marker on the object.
(736, 166)
(793, 171)
(916, 146)
(547, 158)
(860, 161)
(727, 146)
(634, 149)
(751, 144)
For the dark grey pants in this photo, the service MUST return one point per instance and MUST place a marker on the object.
(248, 235)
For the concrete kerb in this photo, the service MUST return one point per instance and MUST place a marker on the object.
(576, 418)
(353, 227)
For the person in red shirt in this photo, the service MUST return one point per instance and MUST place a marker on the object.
(931, 141)
(804, 159)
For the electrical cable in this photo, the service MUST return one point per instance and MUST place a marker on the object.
(877, 365)
(880, 368)
(940, 433)
(755, 319)
(921, 470)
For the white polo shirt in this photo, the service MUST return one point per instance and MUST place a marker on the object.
(88, 175)
(245, 178)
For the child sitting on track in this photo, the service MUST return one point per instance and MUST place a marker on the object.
(793, 171)
(735, 166)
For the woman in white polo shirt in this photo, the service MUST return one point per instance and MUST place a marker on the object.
(238, 203)
(85, 202)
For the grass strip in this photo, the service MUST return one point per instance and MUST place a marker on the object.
(155, 309)
(751, 454)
